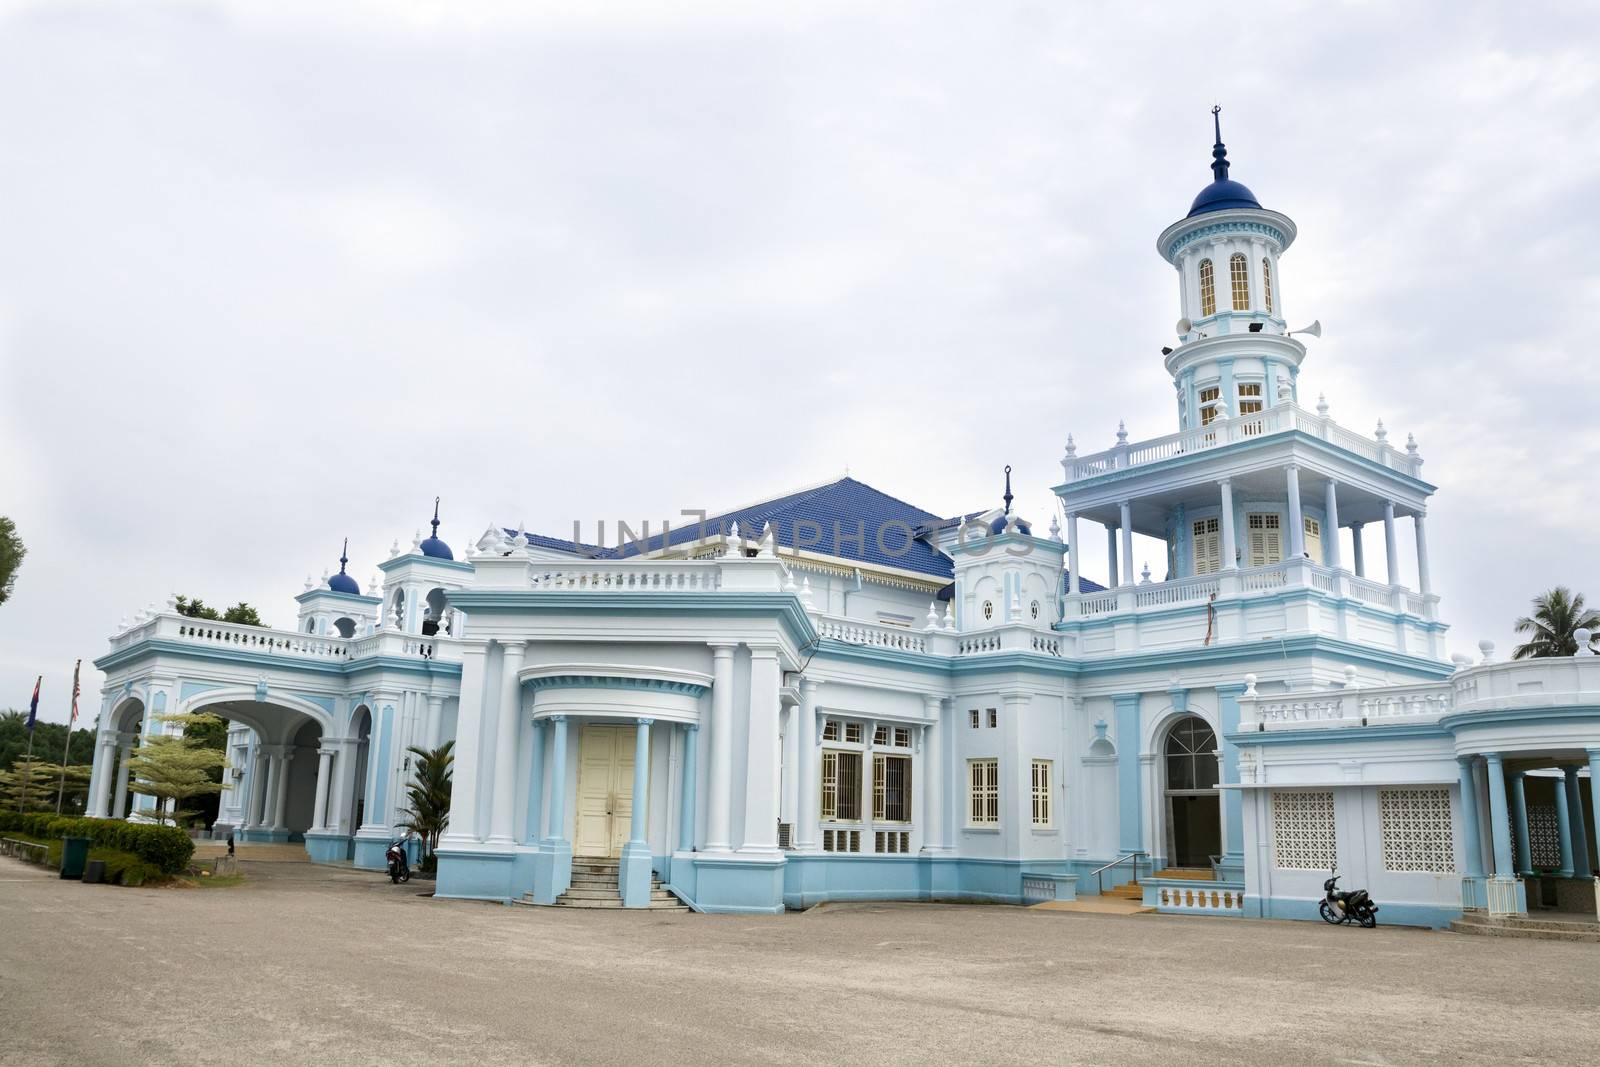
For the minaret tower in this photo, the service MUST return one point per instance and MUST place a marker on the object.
(1234, 353)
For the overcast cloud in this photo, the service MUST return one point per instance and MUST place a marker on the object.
(275, 274)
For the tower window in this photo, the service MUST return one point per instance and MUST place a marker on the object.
(1208, 289)
(1266, 282)
(1208, 404)
(1266, 539)
(1239, 271)
(1250, 404)
(1313, 539)
(1207, 546)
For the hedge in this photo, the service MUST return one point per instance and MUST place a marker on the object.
(166, 848)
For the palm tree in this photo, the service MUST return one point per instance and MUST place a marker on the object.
(1556, 616)
(429, 793)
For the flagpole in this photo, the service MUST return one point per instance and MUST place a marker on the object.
(33, 717)
(66, 748)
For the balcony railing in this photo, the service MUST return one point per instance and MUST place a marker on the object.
(284, 644)
(1281, 418)
(1228, 585)
(630, 577)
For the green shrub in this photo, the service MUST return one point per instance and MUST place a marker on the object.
(165, 849)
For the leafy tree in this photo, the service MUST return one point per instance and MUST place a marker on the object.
(48, 740)
(175, 768)
(241, 612)
(11, 552)
(428, 814)
(1557, 615)
(29, 785)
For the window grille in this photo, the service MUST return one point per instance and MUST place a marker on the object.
(1544, 837)
(994, 718)
(1415, 824)
(1191, 754)
(1208, 289)
(891, 788)
(853, 733)
(1303, 833)
(841, 840)
(974, 717)
(984, 775)
(830, 730)
(841, 786)
(892, 841)
(1041, 792)
(880, 735)
(1239, 271)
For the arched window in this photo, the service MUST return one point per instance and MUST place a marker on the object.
(1208, 289)
(1239, 270)
(1266, 283)
(1191, 753)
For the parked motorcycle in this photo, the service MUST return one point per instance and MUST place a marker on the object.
(1346, 905)
(399, 869)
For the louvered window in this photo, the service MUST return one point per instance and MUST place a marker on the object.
(1208, 288)
(1266, 539)
(1239, 272)
(1041, 792)
(1207, 546)
(841, 840)
(1313, 539)
(984, 774)
(1266, 283)
(891, 788)
(841, 786)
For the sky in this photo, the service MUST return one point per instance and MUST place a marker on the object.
(277, 274)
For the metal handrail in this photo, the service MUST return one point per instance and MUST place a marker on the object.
(1099, 872)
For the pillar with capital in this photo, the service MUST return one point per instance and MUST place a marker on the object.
(280, 797)
(762, 755)
(633, 868)
(719, 782)
(502, 810)
(809, 777)
(319, 814)
(552, 865)
(933, 774)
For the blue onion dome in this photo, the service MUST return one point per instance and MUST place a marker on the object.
(1223, 194)
(432, 546)
(342, 582)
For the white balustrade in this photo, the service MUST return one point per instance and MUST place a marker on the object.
(1258, 579)
(876, 635)
(1201, 897)
(1179, 591)
(1368, 591)
(1280, 418)
(291, 644)
(977, 644)
(630, 577)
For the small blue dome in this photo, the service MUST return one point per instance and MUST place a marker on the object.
(432, 546)
(998, 526)
(1224, 195)
(342, 582)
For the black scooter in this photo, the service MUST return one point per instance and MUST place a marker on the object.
(1341, 906)
(399, 869)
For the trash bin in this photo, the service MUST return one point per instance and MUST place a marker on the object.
(94, 872)
(74, 853)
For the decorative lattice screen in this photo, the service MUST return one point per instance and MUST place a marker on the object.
(1415, 824)
(1544, 839)
(1303, 831)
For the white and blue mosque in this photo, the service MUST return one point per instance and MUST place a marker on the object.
(835, 695)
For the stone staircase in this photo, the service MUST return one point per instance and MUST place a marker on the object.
(1118, 900)
(595, 885)
(1556, 927)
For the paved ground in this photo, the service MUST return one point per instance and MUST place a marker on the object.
(316, 964)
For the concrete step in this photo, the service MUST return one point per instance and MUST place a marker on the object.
(1130, 891)
(1530, 929)
(592, 894)
(1191, 874)
(1105, 904)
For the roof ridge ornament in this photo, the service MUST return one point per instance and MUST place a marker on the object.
(435, 516)
(1008, 489)
(344, 555)
(1219, 151)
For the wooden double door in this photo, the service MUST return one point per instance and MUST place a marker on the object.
(605, 790)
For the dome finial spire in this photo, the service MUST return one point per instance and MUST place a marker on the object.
(344, 555)
(436, 516)
(1219, 151)
(1008, 488)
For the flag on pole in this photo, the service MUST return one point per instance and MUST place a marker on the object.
(66, 749)
(33, 708)
(75, 691)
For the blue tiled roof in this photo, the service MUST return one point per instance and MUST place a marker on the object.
(826, 519)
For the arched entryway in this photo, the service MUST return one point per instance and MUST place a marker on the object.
(1192, 800)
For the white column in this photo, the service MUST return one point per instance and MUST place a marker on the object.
(435, 722)
(1111, 557)
(319, 817)
(1390, 548)
(761, 766)
(1424, 586)
(125, 753)
(1297, 526)
(1358, 555)
(503, 810)
(791, 769)
(469, 744)
(269, 785)
(805, 823)
(281, 796)
(105, 755)
(719, 784)
(1330, 523)
(1230, 546)
(1072, 553)
(932, 770)
(1127, 542)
